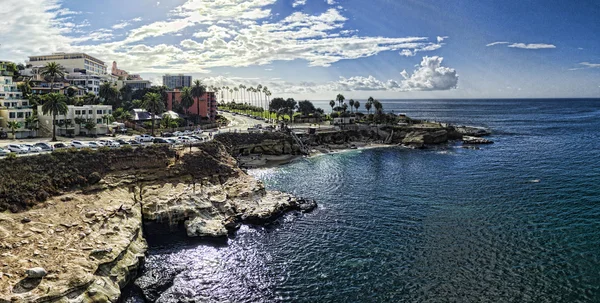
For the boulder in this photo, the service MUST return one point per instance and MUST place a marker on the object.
(475, 140)
(436, 137)
(36, 273)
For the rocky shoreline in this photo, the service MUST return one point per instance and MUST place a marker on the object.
(87, 242)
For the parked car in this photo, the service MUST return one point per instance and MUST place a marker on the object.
(144, 138)
(60, 145)
(31, 148)
(122, 142)
(110, 143)
(78, 144)
(44, 146)
(134, 142)
(167, 134)
(93, 144)
(4, 152)
(16, 148)
(160, 141)
(172, 141)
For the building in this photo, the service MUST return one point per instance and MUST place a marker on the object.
(134, 84)
(177, 81)
(142, 115)
(77, 117)
(88, 83)
(208, 104)
(122, 74)
(12, 105)
(73, 61)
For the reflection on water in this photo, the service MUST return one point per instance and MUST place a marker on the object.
(515, 221)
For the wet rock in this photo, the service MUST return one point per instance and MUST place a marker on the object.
(475, 140)
(25, 220)
(36, 273)
(306, 205)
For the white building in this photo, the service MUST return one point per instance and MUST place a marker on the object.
(79, 61)
(14, 108)
(74, 122)
(134, 84)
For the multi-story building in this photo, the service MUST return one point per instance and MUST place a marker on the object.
(177, 81)
(208, 104)
(134, 84)
(90, 83)
(74, 122)
(12, 106)
(79, 61)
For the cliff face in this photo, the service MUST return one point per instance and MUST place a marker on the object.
(85, 239)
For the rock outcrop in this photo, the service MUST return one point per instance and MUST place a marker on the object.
(86, 243)
(475, 140)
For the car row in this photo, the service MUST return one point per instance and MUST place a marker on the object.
(26, 148)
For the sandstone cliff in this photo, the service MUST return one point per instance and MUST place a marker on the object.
(85, 237)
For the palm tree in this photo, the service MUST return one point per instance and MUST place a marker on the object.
(368, 107)
(340, 98)
(378, 107)
(53, 70)
(31, 122)
(235, 89)
(108, 93)
(243, 90)
(332, 104)
(13, 125)
(154, 104)
(90, 99)
(198, 91)
(351, 102)
(356, 105)
(187, 99)
(55, 105)
(25, 88)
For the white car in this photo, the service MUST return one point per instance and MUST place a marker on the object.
(144, 138)
(16, 148)
(4, 152)
(110, 143)
(93, 144)
(186, 139)
(31, 148)
(79, 144)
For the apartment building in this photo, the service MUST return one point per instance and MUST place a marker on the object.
(74, 122)
(134, 84)
(13, 107)
(177, 81)
(208, 104)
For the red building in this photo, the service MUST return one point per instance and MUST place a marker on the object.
(208, 104)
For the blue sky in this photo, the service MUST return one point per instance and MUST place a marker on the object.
(317, 48)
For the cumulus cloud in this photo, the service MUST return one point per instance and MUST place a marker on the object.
(523, 45)
(440, 39)
(431, 75)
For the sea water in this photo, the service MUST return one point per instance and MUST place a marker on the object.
(516, 221)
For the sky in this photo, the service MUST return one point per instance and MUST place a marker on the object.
(315, 49)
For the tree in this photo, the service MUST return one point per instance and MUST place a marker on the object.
(168, 122)
(90, 99)
(378, 107)
(356, 105)
(332, 104)
(55, 104)
(120, 114)
(187, 99)
(368, 106)
(153, 104)
(198, 91)
(53, 70)
(31, 122)
(340, 99)
(90, 125)
(351, 102)
(25, 88)
(306, 107)
(109, 94)
(13, 125)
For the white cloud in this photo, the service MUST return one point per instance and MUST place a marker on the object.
(498, 43)
(590, 65)
(532, 46)
(440, 39)
(298, 3)
(523, 45)
(121, 25)
(330, 2)
(431, 75)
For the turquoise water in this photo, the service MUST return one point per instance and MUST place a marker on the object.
(517, 221)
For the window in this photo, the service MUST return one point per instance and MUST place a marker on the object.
(110, 112)
(99, 112)
(20, 115)
(27, 115)
(98, 121)
(90, 112)
(78, 112)
(11, 115)
(25, 103)
(6, 104)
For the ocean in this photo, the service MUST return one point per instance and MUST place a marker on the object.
(516, 221)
